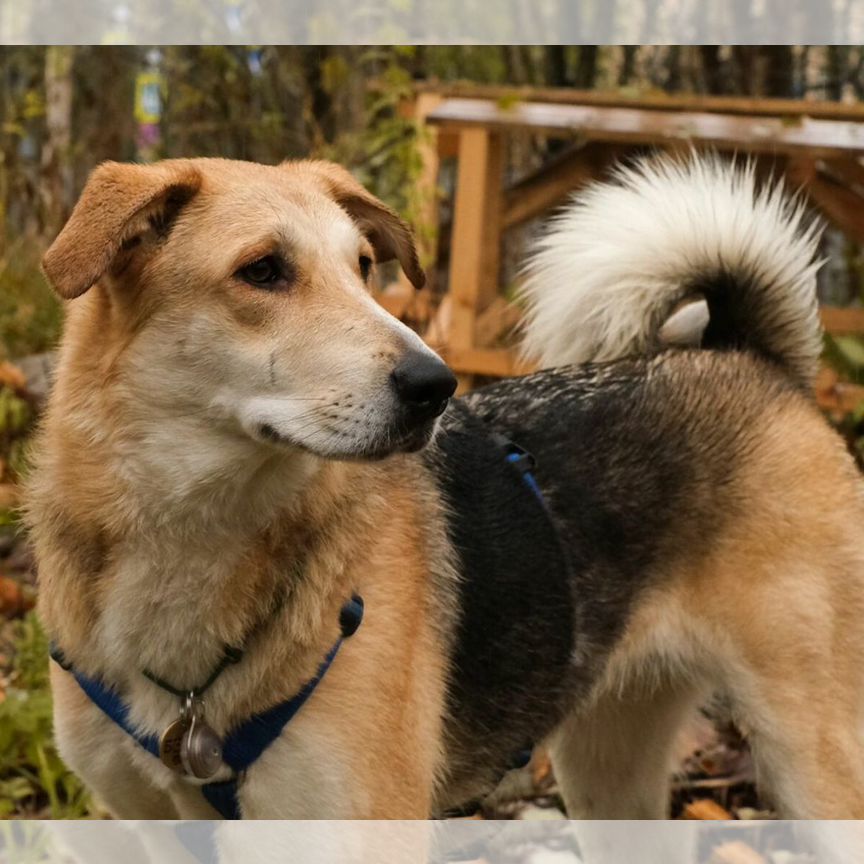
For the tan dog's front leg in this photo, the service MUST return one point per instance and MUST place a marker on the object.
(315, 772)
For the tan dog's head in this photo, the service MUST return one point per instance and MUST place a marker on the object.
(241, 291)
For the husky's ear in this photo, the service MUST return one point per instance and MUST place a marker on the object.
(119, 203)
(390, 235)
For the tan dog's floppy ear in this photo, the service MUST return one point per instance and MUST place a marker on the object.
(114, 207)
(390, 235)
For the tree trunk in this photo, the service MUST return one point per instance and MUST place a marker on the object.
(835, 71)
(628, 65)
(779, 75)
(673, 67)
(557, 72)
(746, 80)
(56, 151)
(712, 69)
(319, 101)
(586, 71)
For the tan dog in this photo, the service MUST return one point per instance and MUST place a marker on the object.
(211, 472)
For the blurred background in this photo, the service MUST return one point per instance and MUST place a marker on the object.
(476, 146)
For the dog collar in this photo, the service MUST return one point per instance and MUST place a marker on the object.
(244, 745)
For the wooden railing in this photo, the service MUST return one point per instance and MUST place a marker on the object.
(817, 145)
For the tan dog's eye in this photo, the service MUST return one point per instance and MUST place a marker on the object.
(263, 273)
(365, 267)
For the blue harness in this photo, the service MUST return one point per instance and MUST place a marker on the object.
(245, 744)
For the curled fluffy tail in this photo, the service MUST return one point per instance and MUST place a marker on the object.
(622, 258)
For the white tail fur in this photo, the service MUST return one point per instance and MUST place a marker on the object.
(622, 257)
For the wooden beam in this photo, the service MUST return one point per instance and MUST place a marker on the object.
(839, 321)
(550, 184)
(499, 318)
(815, 138)
(850, 171)
(494, 362)
(448, 145)
(633, 97)
(843, 206)
(476, 234)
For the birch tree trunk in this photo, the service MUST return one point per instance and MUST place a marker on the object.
(56, 151)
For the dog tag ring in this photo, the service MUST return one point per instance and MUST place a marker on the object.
(200, 746)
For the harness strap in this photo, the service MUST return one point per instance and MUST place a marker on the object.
(108, 701)
(245, 744)
(523, 461)
(248, 741)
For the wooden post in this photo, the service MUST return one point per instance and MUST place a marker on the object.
(836, 199)
(475, 246)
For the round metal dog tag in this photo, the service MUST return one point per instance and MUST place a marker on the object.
(201, 751)
(170, 745)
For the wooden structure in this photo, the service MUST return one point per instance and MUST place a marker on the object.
(817, 145)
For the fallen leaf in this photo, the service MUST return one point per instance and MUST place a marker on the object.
(11, 598)
(12, 377)
(705, 809)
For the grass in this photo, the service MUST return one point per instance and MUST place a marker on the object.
(33, 779)
(30, 313)
(34, 782)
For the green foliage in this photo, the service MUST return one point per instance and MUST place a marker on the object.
(384, 152)
(30, 314)
(483, 64)
(15, 420)
(14, 413)
(851, 427)
(846, 355)
(32, 776)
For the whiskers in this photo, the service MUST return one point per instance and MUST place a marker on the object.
(216, 411)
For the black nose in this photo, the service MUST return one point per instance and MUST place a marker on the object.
(423, 384)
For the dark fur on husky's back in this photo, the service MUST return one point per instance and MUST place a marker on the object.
(635, 460)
